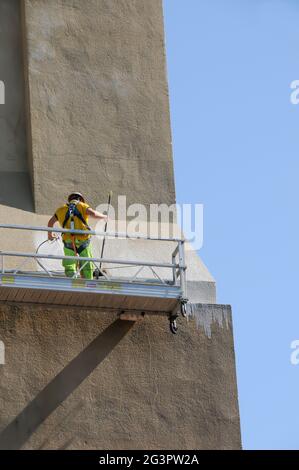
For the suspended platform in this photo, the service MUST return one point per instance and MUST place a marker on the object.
(125, 295)
(110, 294)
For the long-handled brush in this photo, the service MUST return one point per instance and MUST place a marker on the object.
(98, 272)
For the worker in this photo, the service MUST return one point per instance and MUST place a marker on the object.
(74, 215)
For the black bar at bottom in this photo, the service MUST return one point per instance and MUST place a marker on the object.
(133, 459)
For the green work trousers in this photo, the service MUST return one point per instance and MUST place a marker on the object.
(71, 266)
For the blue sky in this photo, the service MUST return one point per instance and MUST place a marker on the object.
(236, 139)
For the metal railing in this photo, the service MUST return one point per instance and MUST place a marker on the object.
(176, 267)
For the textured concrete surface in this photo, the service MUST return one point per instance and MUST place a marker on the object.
(13, 146)
(98, 101)
(85, 380)
(15, 190)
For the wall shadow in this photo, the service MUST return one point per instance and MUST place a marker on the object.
(15, 435)
(15, 182)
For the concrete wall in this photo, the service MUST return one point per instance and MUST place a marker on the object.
(15, 187)
(98, 119)
(98, 101)
(81, 379)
